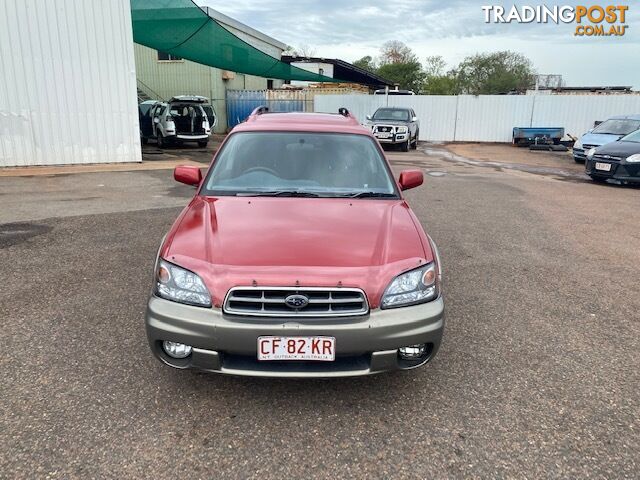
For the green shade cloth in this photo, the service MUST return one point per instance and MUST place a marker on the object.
(181, 28)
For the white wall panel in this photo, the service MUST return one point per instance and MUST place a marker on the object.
(67, 83)
(576, 113)
(489, 118)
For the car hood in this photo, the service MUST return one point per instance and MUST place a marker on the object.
(598, 139)
(242, 241)
(619, 149)
(389, 122)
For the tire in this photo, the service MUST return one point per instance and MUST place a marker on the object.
(578, 160)
(203, 143)
(144, 140)
(161, 142)
(415, 141)
(405, 145)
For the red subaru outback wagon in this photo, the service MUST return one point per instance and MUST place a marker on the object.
(297, 257)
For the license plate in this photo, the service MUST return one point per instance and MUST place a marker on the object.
(603, 166)
(383, 135)
(322, 349)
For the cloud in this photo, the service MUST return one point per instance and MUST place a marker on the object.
(453, 29)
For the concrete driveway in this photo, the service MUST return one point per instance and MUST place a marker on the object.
(538, 375)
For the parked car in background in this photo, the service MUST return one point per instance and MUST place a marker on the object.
(395, 91)
(608, 131)
(298, 256)
(185, 118)
(395, 126)
(616, 160)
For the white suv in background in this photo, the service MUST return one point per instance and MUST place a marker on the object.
(183, 119)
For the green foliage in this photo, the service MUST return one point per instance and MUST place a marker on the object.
(494, 73)
(367, 63)
(480, 74)
(408, 75)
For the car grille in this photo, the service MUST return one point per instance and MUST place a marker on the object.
(607, 158)
(384, 128)
(270, 302)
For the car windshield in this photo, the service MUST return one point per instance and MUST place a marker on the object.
(391, 114)
(617, 126)
(632, 137)
(300, 164)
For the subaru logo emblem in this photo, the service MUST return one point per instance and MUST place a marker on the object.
(296, 301)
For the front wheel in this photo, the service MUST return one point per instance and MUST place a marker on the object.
(203, 143)
(415, 141)
(161, 142)
(578, 160)
(405, 145)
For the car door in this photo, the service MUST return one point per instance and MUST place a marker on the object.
(157, 119)
(415, 124)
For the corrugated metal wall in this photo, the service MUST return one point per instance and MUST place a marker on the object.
(183, 77)
(67, 83)
(489, 118)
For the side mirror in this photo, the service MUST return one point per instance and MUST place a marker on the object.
(368, 117)
(414, 119)
(156, 120)
(410, 179)
(188, 175)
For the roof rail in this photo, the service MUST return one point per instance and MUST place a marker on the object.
(259, 111)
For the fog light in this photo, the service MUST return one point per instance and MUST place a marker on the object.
(413, 352)
(176, 350)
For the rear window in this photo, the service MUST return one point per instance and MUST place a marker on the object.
(326, 164)
(617, 127)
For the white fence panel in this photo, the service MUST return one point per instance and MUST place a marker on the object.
(359, 105)
(576, 113)
(437, 114)
(489, 118)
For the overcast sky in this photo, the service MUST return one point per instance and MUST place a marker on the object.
(453, 28)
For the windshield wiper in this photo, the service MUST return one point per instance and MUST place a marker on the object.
(277, 193)
(370, 194)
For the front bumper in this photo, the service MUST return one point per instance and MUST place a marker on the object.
(181, 136)
(621, 171)
(579, 154)
(228, 344)
(395, 139)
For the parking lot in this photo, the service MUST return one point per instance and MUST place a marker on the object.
(537, 377)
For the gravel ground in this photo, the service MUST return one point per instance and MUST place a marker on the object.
(537, 376)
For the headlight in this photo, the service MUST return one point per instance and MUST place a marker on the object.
(634, 158)
(180, 285)
(591, 152)
(402, 130)
(417, 286)
(578, 143)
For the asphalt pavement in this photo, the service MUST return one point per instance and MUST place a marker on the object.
(538, 375)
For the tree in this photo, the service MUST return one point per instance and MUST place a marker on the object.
(395, 51)
(367, 63)
(436, 81)
(494, 73)
(399, 64)
(407, 75)
(303, 51)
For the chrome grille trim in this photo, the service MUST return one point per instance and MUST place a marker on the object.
(269, 302)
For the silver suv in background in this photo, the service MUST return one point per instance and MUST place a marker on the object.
(184, 118)
(396, 126)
